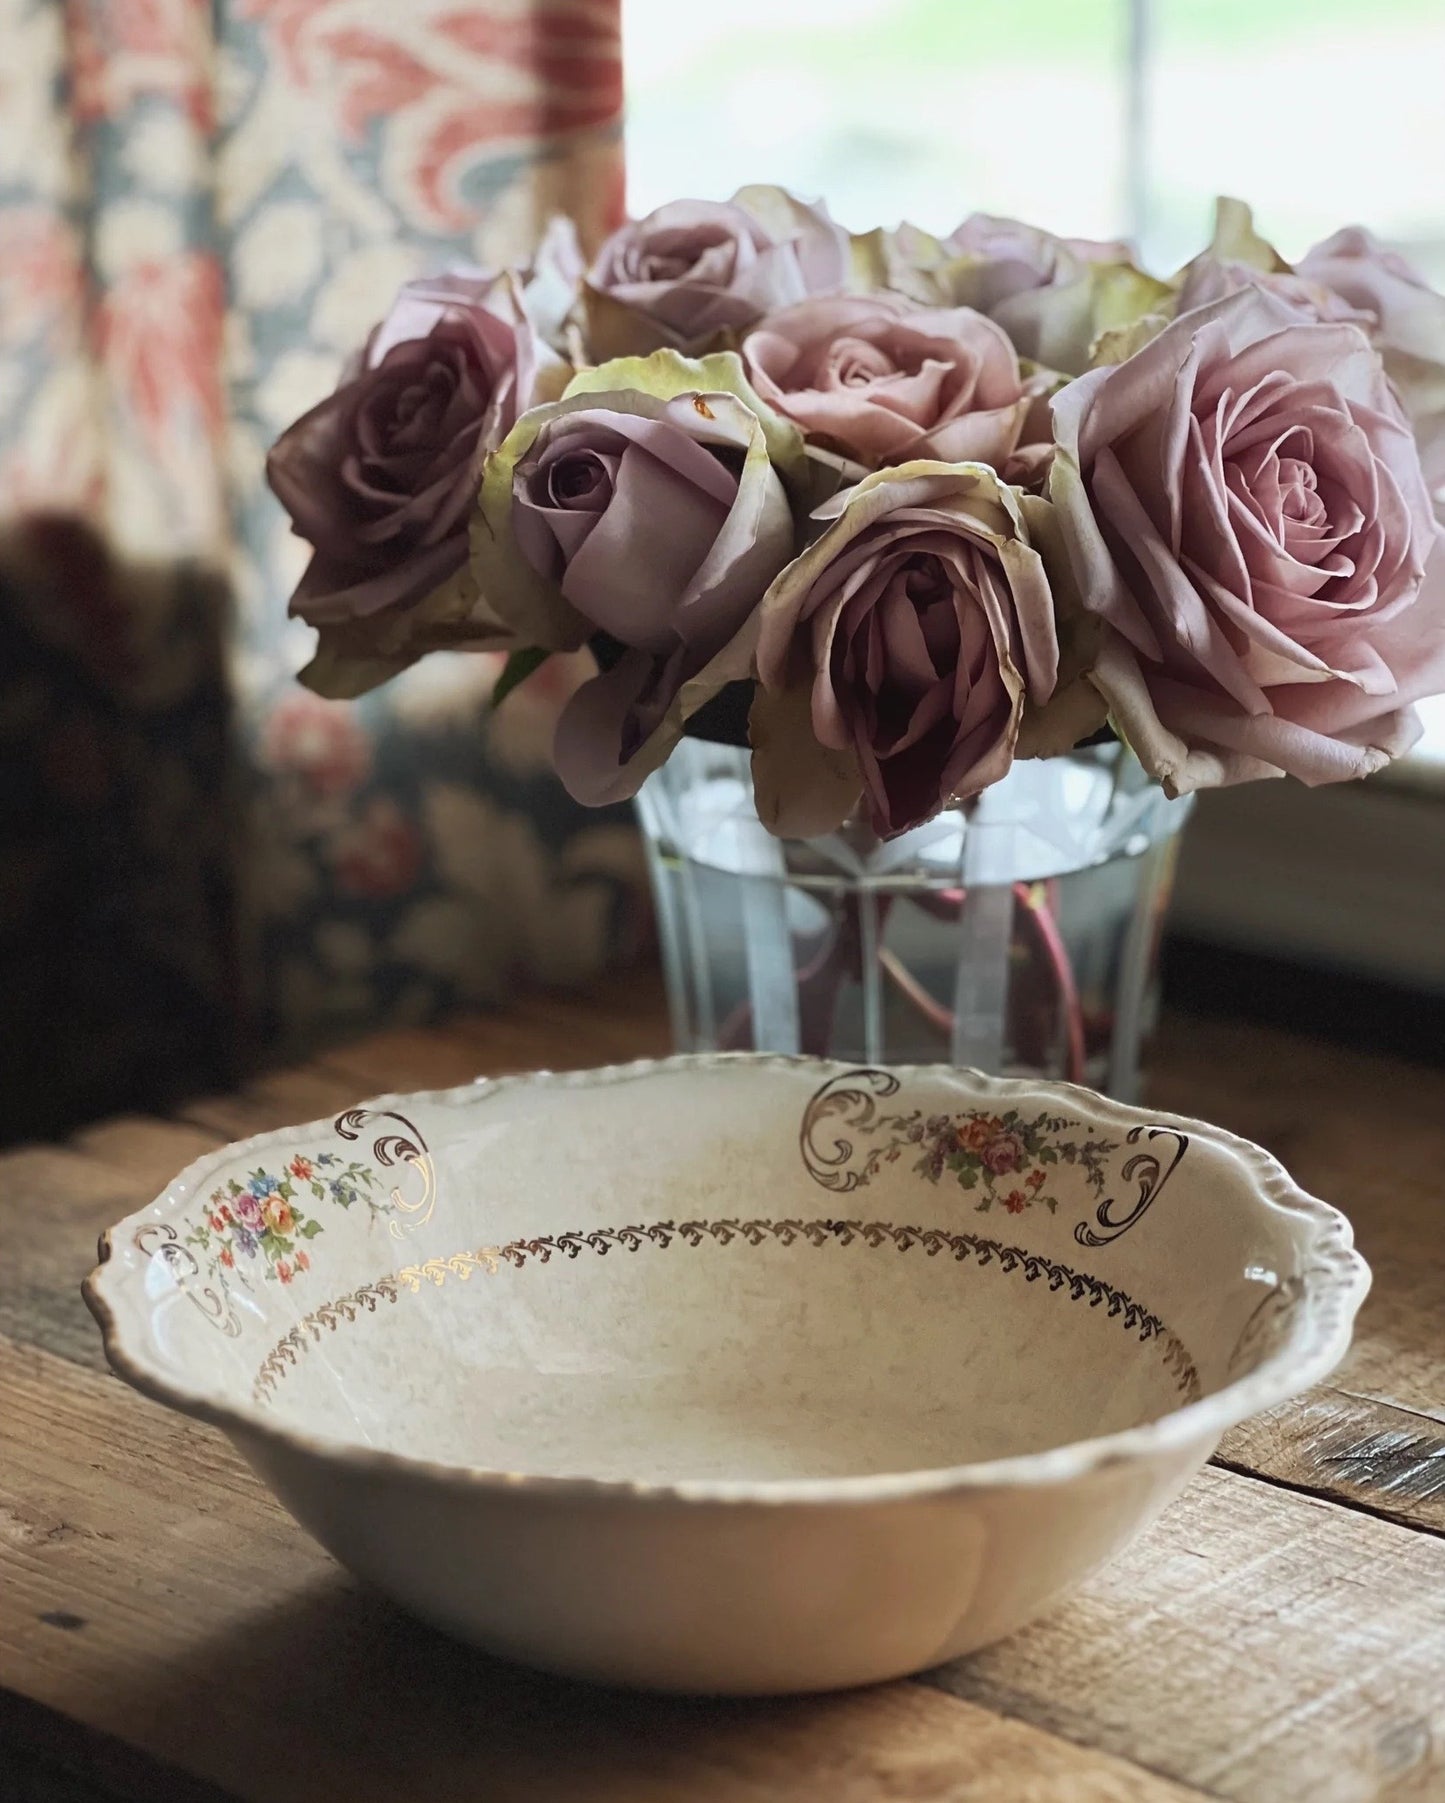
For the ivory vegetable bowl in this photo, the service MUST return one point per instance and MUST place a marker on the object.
(730, 1374)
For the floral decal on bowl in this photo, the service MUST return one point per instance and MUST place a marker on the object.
(261, 1226)
(1000, 1158)
(1005, 1159)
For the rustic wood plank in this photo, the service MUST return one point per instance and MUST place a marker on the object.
(165, 1601)
(147, 1152)
(44, 1758)
(1256, 1643)
(613, 1024)
(1353, 1449)
(1395, 1198)
(53, 1205)
(407, 1058)
(1368, 1134)
(279, 1099)
(1252, 1636)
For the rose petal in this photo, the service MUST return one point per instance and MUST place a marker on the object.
(801, 788)
(1289, 603)
(922, 614)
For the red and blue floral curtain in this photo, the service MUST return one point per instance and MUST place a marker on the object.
(203, 206)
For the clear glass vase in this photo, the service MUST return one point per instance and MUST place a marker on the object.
(1018, 934)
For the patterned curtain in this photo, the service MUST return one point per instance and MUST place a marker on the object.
(203, 206)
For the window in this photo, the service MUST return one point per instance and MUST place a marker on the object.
(1094, 117)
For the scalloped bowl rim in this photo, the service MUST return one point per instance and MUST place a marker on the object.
(1336, 1280)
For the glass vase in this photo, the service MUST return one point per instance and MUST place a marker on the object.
(1018, 933)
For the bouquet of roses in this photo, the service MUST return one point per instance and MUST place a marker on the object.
(897, 509)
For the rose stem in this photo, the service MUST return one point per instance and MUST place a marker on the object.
(1032, 898)
(908, 985)
(947, 904)
(818, 983)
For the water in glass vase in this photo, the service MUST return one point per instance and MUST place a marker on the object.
(1018, 933)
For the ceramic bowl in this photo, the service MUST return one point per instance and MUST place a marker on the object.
(733, 1374)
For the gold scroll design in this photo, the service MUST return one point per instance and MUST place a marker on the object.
(1146, 1169)
(390, 1149)
(158, 1239)
(844, 1113)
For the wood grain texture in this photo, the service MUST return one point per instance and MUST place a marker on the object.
(1358, 1451)
(1260, 1644)
(611, 1024)
(620, 1021)
(53, 1205)
(143, 1151)
(1367, 1134)
(173, 1607)
(279, 1099)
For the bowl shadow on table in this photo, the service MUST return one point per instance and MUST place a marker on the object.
(385, 1706)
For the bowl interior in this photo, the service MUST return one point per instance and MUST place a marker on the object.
(751, 1270)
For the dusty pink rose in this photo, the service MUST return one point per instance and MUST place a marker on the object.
(897, 652)
(661, 522)
(883, 382)
(1243, 504)
(1210, 278)
(823, 248)
(1006, 1153)
(903, 259)
(697, 273)
(1238, 257)
(1053, 296)
(381, 476)
(1011, 258)
(1407, 324)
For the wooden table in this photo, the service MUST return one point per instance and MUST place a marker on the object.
(166, 1632)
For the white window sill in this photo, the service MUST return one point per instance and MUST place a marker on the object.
(1350, 877)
